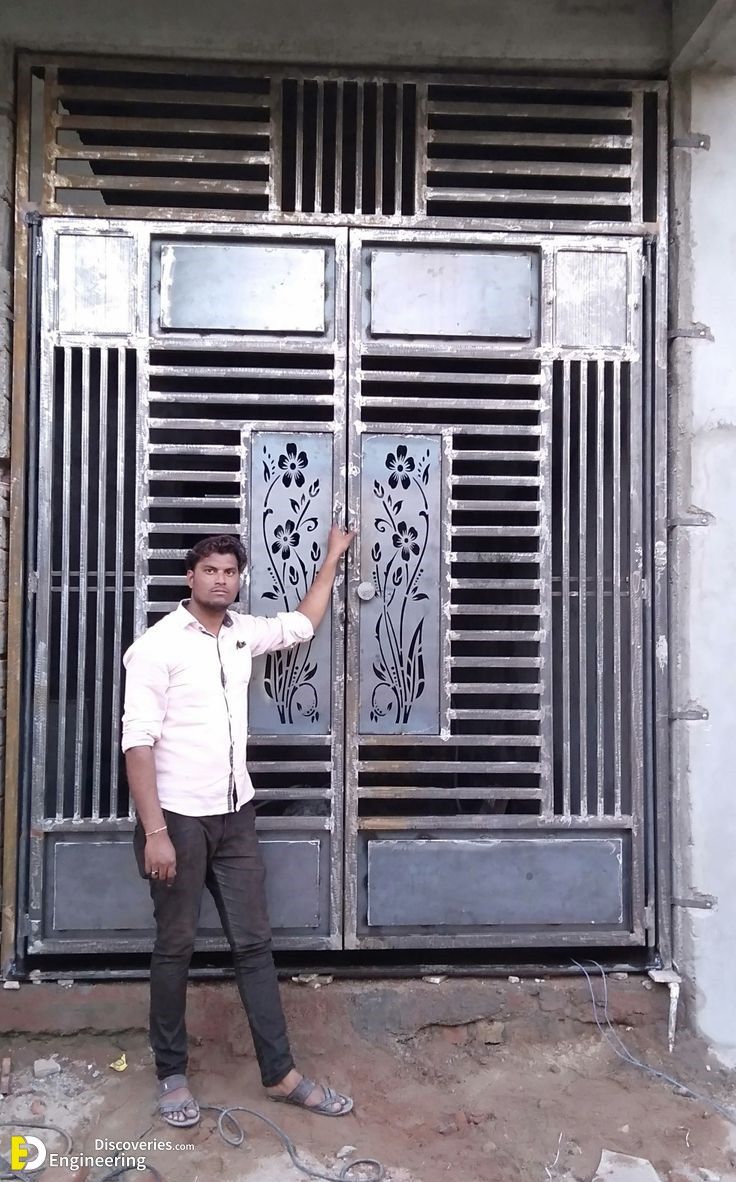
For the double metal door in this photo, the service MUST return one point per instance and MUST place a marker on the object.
(457, 758)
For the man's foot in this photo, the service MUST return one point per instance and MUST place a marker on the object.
(176, 1104)
(295, 1088)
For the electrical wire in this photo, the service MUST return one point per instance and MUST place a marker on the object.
(619, 1047)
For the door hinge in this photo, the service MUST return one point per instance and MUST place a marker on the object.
(696, 331)
(693, 139)
(692, 517)
(690, 713)
(649, 920)
(33, 582)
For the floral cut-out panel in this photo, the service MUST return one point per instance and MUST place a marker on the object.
(400, 541)
(290, 515)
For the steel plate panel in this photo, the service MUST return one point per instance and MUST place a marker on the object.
(591, 309)
(242, 287)
(95, 284)
(451, 293)
(464, 882)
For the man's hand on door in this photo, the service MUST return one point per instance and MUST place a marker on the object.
(315, 602)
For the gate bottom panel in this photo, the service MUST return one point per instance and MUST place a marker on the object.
(455, 887)
(94, 899)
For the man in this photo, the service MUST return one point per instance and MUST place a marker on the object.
(184, 738)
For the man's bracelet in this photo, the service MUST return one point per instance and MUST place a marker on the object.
(151, 833)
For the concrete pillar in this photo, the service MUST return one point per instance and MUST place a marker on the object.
(704, 556)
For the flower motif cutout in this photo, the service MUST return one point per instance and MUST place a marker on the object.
(292, 464)
(399, 465)
(405, 539)
(286, 538)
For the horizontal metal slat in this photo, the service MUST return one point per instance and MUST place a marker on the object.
(495, 687)
(205, 502)
(479, 404)
(574, 169)
(543, 110)
(496, 506)
(573, 140)
(468, 768)
(258, 373)
(238, 398)
(503, 481)
(491, 456)
(141, 123)
(506, 634)
(494, 609)
(162, 184)
(511, 715)
(388, 791)
(496, 584)
(528, 196)
(188, 155)
(418, 377)
(193, 98)
(463, 662)
(495, 531)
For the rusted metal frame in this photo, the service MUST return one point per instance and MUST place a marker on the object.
(161, 184)
(637, 155)
(525, 196)
(265, 70)
(17, 574)
(600, 551)
(101, 588)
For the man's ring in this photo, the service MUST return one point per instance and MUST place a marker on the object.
(154, 874)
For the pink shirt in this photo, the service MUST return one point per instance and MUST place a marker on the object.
(186, 695)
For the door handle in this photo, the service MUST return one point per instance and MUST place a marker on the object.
(366, 591)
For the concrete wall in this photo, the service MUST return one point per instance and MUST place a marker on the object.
(704, 572)
(628, 36)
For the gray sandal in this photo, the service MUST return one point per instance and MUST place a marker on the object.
(326, 1106)
(169, 1108)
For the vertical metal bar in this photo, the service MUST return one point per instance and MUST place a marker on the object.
(120, 523)
(12, 858)
(445, 654)
(299, 152)
(421, 148)
(583, 708)
(616, 590)
(600, 475)
(339, 120)
(319, 147)
(662, 787)
(339, 620)
(276, 146)
(359, 130)
(50, 111)
(637, 156)
(546, 734)
(565, 589)
(101, 581)
(379, 147)
(83, 586)
(64, 588)
(399, 154)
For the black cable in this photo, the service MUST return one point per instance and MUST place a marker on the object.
(225, 1114)
(624, 1053)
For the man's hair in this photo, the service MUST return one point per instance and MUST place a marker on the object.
(220, 544)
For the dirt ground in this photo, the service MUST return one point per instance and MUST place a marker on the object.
(482, 1099)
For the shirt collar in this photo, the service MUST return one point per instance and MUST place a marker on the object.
(184, 618)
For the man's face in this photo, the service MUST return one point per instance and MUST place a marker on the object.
(215, 581)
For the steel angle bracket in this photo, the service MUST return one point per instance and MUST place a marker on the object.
(694, 140)
(696, 332)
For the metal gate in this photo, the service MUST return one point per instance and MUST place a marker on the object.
(457, 758)
(432, 305)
